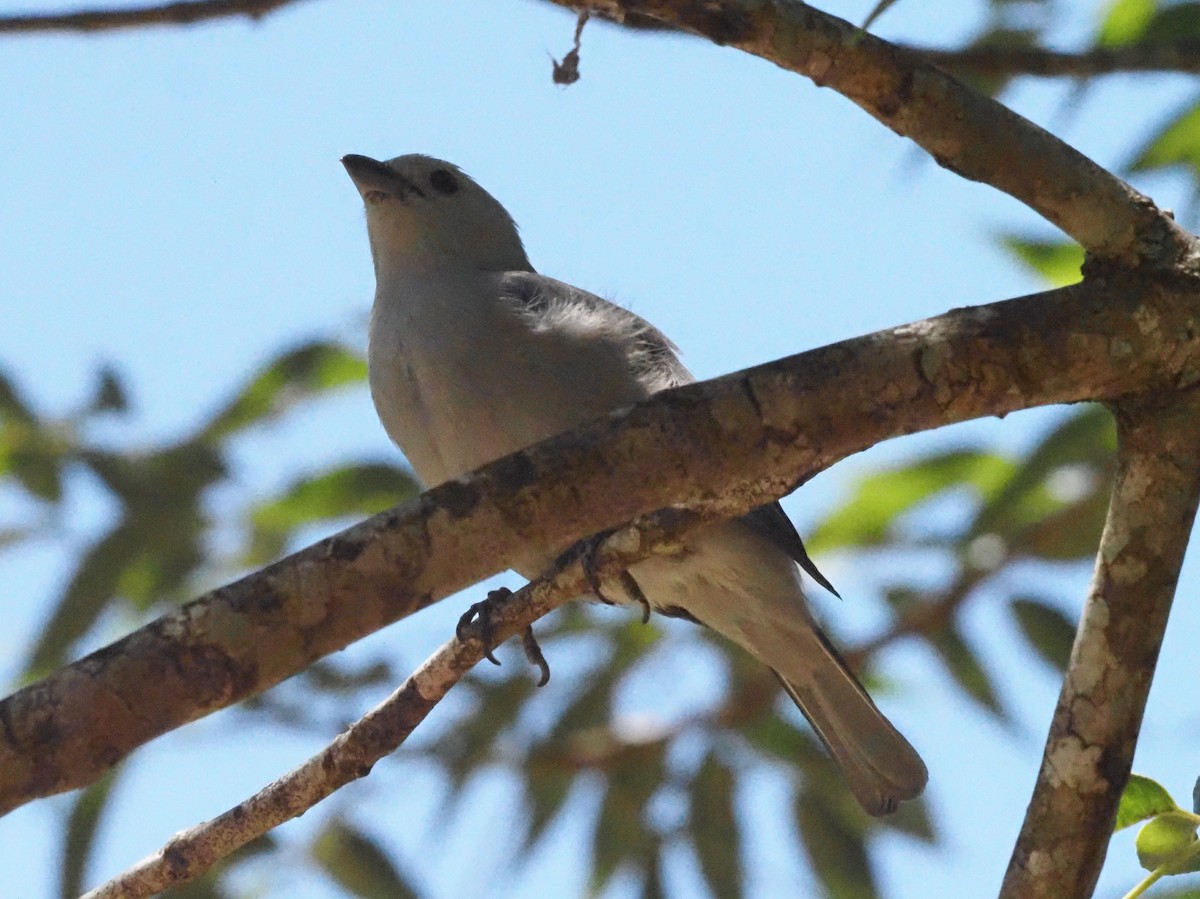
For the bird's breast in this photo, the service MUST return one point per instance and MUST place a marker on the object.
(458, 384)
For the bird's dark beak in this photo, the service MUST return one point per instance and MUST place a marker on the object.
(373, 177)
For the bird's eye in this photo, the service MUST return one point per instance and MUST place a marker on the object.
(443, 182)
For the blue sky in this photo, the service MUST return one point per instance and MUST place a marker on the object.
(173, 202)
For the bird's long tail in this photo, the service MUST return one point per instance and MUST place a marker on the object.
(880, 765)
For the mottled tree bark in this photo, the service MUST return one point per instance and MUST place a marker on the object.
(1095, 728)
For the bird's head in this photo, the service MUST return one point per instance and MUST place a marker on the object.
(424, 214)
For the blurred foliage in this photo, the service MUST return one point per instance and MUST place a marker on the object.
(1166, 844)
(657, 789)
(356, 862)
(155, 545)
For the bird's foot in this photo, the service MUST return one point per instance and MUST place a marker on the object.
(585, 551)
(482, 612)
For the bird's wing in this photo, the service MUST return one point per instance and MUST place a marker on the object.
(552, 305)
(653, 361)
(772, 522)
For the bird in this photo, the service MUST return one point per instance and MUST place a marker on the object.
(473, 355)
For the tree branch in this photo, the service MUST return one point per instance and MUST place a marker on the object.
(966, 132)
(188, 12)
(1095, 728)
(763, 431)
(383, 729)
(1183, 58)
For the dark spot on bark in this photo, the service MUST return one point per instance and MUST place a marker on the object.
(47, 777)
(175, 858)
(515, 472)
(457, 498)
(363, 770)
(343, 549)
(216, 677)
(10, 735)
(1114, 765)
(268, 599)
(721, 26)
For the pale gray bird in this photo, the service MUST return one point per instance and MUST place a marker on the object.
(474, 355)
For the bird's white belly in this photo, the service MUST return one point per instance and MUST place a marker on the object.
(454, 406)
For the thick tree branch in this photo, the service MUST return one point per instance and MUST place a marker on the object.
(966, 132)
(1092, 738)
(188, 12)
(387, 726)
(1183, 58)
(762, 432)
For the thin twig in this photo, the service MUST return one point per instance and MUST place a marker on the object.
(388, 725)
(1094, 732)
(189, 12)
(1182, 57)
(970, 134)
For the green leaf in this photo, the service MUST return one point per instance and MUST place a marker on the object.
(359, 489)
(471, 744)
(13, 406)
(963, 664)
(356, 863)
(546, 785)
(1143, 798)
(31, 451)
(837, 851)
(1165, 838)
(652, 885)
(297, 375)
(1059, 262)
(779, 738)
(633, 777)
(82, 824)
(1070, 533)
(1125, 22)
(1176, 145)
(1047, 630)
(93, 584)
(1054, 506)
(1087, 437)
(714, 829)
(36, 462)
(1174, 25)
(160, 483)
(878, 500)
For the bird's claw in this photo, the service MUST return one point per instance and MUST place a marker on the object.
(585, 551)
(533, 652)
(482, 612)
(634, 589)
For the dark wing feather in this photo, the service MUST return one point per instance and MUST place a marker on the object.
(772, 522)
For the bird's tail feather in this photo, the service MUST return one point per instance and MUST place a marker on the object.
(880, 765)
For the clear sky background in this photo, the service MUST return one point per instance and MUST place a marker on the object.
(171, 200)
